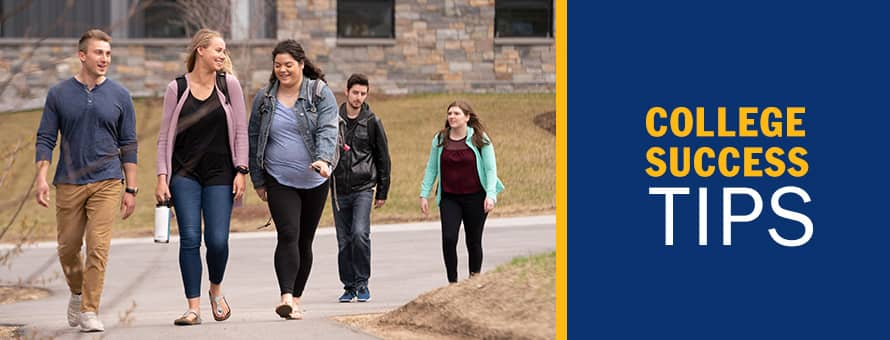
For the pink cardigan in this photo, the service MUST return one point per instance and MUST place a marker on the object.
(236, 118)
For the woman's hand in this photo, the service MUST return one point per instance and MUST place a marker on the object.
(261, 192)
(488, 205)
(162, 190)
(238, 186)
(322, 168)
(424, 206)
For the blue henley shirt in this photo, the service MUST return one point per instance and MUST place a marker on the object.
(98, 130)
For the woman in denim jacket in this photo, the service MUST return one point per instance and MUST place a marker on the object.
(292, 135)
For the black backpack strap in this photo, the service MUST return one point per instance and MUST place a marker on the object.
(181, 84)
(223, 85)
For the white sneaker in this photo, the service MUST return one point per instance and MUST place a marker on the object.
(74, 310)
(89, 322)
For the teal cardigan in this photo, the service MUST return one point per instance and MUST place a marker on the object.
(487, 169)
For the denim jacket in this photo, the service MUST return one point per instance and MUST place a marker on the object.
(318, 127)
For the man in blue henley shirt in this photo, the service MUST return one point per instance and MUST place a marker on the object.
(97, 123)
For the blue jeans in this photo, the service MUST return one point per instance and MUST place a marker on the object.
(353, 223)
(190, 200)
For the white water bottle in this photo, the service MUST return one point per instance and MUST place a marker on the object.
(162, 222)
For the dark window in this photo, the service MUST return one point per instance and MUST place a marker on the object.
(52, 18)
(158, 19)
(266, 12)
(365, 19)
(523, 18)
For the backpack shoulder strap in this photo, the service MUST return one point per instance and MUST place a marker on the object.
(223, 85)
(181, 84)
(317, 88)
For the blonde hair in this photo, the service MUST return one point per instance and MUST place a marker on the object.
(95, 34)
(202, 39)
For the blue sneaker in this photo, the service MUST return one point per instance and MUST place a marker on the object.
(347, 296)
(363, 294)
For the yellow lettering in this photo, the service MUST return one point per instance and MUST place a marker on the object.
(723, 162)
(721, 124)
(700, 169)
(650, 121)
(794, 122)
(771, 128)
(681, 113)
(750, 161)
(745, 122)
(700, 130)
(658, 167)
(773, 159)
(795, 156)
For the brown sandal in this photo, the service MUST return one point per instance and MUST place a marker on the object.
(184, 320)
(216, 307)
(284, 310)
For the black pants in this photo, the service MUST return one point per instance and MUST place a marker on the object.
(296, 213)
(454, 208)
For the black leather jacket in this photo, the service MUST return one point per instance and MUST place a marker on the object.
(367, 162)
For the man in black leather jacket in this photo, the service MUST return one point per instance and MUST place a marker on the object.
(364, 166)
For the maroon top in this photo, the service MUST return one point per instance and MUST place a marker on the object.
(459, 174)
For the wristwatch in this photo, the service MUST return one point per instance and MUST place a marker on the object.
(242, 170)
(130, 190)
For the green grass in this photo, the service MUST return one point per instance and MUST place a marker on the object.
(525, 153)
(542, 263)
(536, 269)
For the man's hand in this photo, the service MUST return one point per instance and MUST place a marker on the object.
(128, 205)
(40, 184)
(379, 203)
(128, 202)
(42, 194)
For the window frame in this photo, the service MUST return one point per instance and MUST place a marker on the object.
(548, 36)
(344, 39)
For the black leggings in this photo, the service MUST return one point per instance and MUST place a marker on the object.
(296, 213)
(454, 208)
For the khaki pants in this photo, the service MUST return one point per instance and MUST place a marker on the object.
(86, 211)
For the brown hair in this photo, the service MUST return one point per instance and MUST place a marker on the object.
(296, 51)
(92, 34)
(357, 79)
(202, 39)
(480, 138)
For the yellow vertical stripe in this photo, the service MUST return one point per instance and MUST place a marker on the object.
(561, 36)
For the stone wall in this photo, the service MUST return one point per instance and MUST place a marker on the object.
(145, 67)
(440, 46)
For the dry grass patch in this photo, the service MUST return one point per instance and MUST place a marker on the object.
(13, 294)
(476, 308)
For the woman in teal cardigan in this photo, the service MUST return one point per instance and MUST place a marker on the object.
(462, 157)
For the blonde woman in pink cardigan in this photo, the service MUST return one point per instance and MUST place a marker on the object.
(202, 162)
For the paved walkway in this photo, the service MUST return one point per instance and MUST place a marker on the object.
(406, 262)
